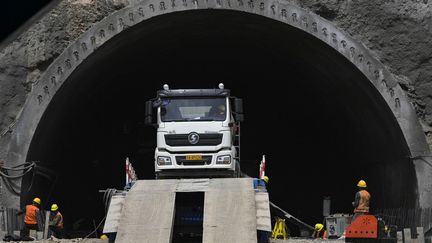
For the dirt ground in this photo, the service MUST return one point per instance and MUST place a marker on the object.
(299, 240)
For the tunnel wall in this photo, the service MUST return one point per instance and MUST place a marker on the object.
(17, 138)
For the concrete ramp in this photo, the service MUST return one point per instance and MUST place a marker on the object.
(114, 213)
(229, 211)
(148, 213)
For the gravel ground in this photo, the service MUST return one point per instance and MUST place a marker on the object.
(302, 240)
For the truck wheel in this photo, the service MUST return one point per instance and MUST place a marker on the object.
(237, 173)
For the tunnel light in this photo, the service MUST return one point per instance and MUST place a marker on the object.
(221, 86)
(166, 87)
(162, 160)
(224, 159)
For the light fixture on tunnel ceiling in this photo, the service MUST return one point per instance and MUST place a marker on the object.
(221, 86)
(166, 87)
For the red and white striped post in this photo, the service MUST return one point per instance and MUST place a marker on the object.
(127, 171)
(262, 168)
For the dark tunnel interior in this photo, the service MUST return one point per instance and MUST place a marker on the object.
(319, 121)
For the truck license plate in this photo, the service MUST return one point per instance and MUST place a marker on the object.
(193, 157)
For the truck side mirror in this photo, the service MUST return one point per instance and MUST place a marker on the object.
(238, 109)
(238, 106)
(148, 120)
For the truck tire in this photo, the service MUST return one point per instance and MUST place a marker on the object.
(237, 172)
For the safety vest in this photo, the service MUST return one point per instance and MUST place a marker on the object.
(31, 214)
(363, 206)
(60, 222)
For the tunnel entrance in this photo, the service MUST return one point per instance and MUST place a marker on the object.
(320, 122)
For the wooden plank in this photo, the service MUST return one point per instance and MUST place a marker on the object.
(47, 218)
(193, 185)
(407, 235)
(114, 213)
(420, 235)
(263, 211)
(399, 237)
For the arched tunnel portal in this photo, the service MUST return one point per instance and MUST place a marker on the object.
(321, 122)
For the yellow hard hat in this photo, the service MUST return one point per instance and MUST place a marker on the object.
(104, 237)
(319, 227)
(266, 179)
(37, 200)
(361, 183)
(54, 207)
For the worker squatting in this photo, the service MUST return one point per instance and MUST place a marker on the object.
(32, 220)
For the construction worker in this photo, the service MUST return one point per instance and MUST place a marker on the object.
(221, 110)
(31, 218)
(361, 200)
(110, 236)
(218, 113)
(56, 222)
(319, 232)
(266, 180)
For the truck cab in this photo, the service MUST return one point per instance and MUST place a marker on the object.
(197, 132)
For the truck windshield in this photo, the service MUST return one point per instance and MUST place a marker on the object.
(193, 109)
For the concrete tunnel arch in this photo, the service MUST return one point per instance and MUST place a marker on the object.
(116, 40)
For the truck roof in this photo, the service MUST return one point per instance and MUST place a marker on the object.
(193, 92)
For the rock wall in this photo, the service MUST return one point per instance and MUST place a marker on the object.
(23, 61)
(397, 31)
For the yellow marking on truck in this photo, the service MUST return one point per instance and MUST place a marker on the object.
(193, 157)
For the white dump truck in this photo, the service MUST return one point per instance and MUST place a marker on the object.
(198, 132)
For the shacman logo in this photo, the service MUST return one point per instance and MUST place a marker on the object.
(193, 138)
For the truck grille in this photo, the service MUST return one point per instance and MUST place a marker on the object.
(204, 139)
(206, 160)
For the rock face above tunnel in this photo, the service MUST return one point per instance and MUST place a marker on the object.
(398, 32)
(23, 60)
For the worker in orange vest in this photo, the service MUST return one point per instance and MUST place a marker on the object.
(31, 217)
(319, 232)
(361, 201)
(56, 222)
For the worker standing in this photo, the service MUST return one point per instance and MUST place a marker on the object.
(56, 222)
(218, 113)
(361, 200)
(319, 232)
(32, 217)
(266, 180)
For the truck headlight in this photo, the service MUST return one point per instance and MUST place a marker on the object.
(224, 159)
(162, 160)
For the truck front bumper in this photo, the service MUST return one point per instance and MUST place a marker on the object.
(195, 173)
(194, 161)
